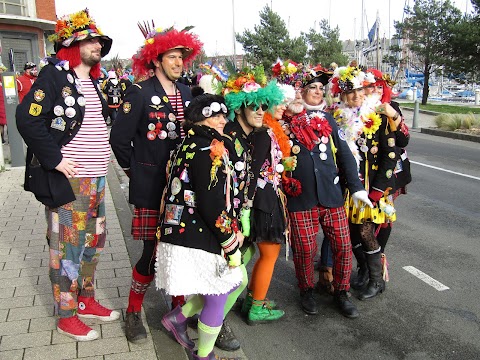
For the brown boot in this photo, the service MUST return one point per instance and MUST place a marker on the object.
(325, 280)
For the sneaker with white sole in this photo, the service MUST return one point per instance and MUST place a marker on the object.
(89, 308)
(75, 328)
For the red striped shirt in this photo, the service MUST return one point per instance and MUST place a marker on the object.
(177, 105)
(90, 148)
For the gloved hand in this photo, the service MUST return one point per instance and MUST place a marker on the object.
(235, 259)
(289, 163)
(245, 221)
(363, 197)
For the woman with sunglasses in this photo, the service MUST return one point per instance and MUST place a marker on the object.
(248, 97)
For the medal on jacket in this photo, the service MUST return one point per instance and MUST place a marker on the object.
(151, 135)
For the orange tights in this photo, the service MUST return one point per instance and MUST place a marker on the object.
(263, 269)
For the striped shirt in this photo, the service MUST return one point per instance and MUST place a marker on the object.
(90, 148)
(176, 102)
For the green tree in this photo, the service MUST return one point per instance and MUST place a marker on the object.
(426, 33)
(270, 40)
(325, 47)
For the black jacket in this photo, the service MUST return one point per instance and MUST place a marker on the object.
(320, 179)
(195, 214)
(45, 133)
(147, 159)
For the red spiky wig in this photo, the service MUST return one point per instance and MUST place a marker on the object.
(72, 55)
(159, 42)
(381, 79)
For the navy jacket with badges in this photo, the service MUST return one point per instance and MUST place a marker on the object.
(320, 178)
(146, 105)
(195, 214)
(43, 124)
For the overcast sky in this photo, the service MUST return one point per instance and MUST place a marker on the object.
(214, 20)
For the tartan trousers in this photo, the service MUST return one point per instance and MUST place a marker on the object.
(304, 229)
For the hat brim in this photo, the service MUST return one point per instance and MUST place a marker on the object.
(107, 42)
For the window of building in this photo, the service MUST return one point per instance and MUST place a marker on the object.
(13, 7)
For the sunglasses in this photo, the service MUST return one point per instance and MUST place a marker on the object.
(255, 107)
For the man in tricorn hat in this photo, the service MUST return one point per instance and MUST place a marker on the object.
(62, 120)
(147, 129)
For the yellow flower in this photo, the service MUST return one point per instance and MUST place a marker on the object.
(80, 19)
(371, 123)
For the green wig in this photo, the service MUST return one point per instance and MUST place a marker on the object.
(249, 88)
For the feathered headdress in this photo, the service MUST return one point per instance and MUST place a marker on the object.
(76, 27)
(158, 41)
(249, 87)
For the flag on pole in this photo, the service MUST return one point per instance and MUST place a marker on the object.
(373, 30)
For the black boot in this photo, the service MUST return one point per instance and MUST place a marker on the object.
(360, 280)
(347, 308)
(134, 329)
(309, 305)
(226, 339)
(376, 284)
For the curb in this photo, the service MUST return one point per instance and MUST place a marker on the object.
(451, 134)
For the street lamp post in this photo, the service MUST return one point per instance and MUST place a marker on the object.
(233, 30)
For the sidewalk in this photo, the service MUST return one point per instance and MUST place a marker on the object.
(27, 325)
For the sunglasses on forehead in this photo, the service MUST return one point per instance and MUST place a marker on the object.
(255, 107)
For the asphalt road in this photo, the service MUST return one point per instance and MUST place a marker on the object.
(437, 232)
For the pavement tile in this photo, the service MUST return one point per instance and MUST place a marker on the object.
(112, 330)
(27, 249)
(106, 293)
(52, 352)
(120, 256)
(15, 234)
(6, 274)
(14, 327)
(34, 290)
(123, 272)
(120, 281)
(18, 282)
(32, 312)
(104, 274)
(3, 315)
(43, 279)
(13, 355)
(21, 264)
(12, 258)
(113, 264)
(16, 302)
(136, 355)
(21, 341)
(103, 347)
(40, 255)
(42, 324)
(148, 345)
(6, 293)
(34, 271)
(46, 299)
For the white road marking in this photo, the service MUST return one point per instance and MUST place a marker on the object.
(445, 170)
(425, 278)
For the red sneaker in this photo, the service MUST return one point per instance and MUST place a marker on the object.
(88, 308)
(76, 329)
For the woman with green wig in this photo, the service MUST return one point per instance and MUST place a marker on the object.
(248, 97)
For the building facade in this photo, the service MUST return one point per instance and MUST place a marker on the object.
(24, 28)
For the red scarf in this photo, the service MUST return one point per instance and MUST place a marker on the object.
(305, 131)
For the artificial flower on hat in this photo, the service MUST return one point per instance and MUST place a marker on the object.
(347, 78)
(288, 72)
(249, 87)
(77, 27)
(158, 41)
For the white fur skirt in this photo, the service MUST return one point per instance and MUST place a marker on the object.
(187, 271)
